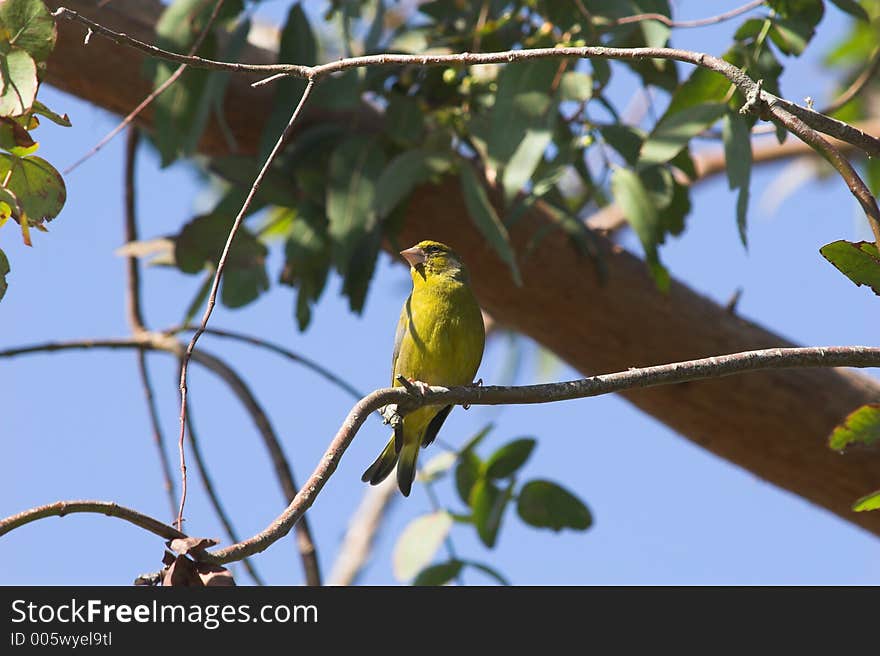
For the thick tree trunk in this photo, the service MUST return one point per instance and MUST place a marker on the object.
(774, 424)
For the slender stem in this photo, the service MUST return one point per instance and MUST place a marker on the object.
(221, 264)
(309, 364)
(700, 22)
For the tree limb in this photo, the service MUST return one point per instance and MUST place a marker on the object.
(406, 401)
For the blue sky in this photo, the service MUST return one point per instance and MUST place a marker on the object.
(75, 424)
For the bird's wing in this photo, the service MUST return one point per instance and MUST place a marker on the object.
(402, 328)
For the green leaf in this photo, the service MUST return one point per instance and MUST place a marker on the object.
(633, 198)
(522, 101)
(403, 174)
(59, 119)
(492, 573)
(869, 502)
(418, 544)
(4, 271)
(307, 259)
(738, 157)
(625, 139)
(524, 161)
(488, 503)
(13, 137)
(28, 25)
(509, 458)
(702, 87)
(405, 120)
(483, 215)
(439, 574)
(575, 86)
(545, 504)
(437, 466)
(853, 8)
(19, 72)
(200, 243)
(673, 131)
(467, 473)
(790, 35)
(182, 112)
(355, 167)
(862, 426)
(38, 187)
(858, 261)
(297, 45)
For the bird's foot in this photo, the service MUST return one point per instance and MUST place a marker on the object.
(478, 383)
(414, 386)
(389, 414)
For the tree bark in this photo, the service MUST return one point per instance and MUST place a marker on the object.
(774, 424)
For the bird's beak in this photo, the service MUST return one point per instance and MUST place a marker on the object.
(413, 256)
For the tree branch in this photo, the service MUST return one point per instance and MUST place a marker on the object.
(62, 508)
(667, 374)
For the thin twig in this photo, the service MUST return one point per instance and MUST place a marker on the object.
(214, 498)
(134, 311)
(158, 91)
(831, 153)
(309, 364)
(62, 508)
(666, 374)
(700, 22)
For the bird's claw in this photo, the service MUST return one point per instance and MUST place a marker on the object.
(414, 386)
(478, 383)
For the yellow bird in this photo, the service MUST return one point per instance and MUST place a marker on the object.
(439, 341)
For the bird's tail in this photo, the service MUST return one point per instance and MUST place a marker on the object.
(406, 466)
(383, 465)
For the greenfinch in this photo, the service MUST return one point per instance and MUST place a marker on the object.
(439, 341)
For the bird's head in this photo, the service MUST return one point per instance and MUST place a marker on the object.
(429, 258)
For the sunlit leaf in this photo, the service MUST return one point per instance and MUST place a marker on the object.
(862, 426)
(37, 186)
(869, 502)
(19, 72)
(674, 130)
(418, 543)
(633, 198)
(29, 26)
(858, 261)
